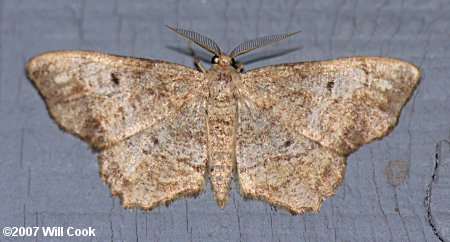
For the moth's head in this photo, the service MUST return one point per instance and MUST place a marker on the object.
(224, 59)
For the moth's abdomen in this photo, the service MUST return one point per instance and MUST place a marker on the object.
(221, 123)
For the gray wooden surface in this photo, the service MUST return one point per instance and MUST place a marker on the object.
(50, 178)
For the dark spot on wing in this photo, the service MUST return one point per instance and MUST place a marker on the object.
(145, 151)
(156, 141)
(115, 79)
(287, 143)
(330, 85)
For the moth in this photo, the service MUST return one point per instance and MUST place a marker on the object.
(282, 131)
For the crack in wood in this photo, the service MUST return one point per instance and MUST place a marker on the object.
(427, 201)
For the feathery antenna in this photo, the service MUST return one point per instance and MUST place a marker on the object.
(259, 42)
(199, 39)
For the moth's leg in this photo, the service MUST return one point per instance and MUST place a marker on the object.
(239, 66)
(197, 62)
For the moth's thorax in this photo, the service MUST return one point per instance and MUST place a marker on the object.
(222, 81)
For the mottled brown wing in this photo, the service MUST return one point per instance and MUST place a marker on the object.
(104, 98)
(340, 103)
(285, 169)
(163, 162)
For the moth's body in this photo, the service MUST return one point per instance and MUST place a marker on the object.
(223, 81)
(284, 130)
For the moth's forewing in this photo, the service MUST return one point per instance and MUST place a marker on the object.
(104, 98)
(340, 103)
